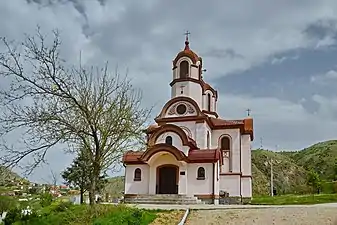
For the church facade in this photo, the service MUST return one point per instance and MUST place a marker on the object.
(190, 150)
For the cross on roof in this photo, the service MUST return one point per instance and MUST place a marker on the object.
(186, 34)
(248, 112)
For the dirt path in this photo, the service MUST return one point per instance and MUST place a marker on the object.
(267, 216)
(169, 218)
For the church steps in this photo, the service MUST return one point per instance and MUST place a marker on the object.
(163, 199)
(164, 202)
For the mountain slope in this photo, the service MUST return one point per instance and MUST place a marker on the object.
(115, 186)
(260, 181)
(320, 157)
(288, 176)
(6, 175)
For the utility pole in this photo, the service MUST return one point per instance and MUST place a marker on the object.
(271, 179)
(269, 162)
(261, 140)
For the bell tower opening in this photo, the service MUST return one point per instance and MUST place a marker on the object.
(183, 69)
(208, 102)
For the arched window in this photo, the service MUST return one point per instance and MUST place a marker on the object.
(138, 175)
(209, 102)
(201, 173)
(208, 140)
(225, 143)
(168, 140)
(184, 69)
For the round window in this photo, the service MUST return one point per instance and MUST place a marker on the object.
(181, 109)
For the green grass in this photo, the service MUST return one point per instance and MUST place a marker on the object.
(64, 213)
(294, 199)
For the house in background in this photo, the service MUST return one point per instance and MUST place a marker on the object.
(192, 151)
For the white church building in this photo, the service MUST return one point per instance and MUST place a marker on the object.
(191, 150)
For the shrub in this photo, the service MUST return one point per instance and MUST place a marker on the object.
(6, 203)
(328, 187)
(12, 216)
(302, 189)
(127, 216)
(46, 199)
(62, 207)
(17, 216)
(334, 187)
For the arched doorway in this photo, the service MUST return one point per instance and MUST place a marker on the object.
(167, 179)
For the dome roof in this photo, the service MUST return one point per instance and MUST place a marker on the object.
(188, 53)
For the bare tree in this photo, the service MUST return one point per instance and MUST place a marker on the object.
(52, 104)
(52, 179)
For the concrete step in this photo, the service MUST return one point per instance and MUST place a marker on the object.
(165, 203)
(164, 196)
(160, 200)
(163, 199)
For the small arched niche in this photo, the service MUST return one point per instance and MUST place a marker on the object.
(168, 140)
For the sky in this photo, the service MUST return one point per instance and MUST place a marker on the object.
(277, 58)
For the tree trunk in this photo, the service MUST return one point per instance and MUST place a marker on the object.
(93, 184)
(92, 192)
(81, 195)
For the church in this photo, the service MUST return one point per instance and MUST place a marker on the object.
(191, 151)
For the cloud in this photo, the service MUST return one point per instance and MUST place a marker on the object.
(290, 125)
(328, 78)
(279, 60)
(250, 50)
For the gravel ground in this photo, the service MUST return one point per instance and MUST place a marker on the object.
(169, 218)
(266, 216)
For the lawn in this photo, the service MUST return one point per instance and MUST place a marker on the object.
(294, 199)
(65, 213)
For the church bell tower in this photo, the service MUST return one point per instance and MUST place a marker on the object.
(187, 79)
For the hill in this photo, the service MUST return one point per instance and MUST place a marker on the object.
(321, 157)
(288, 176)
(6, 176)
(115, 186)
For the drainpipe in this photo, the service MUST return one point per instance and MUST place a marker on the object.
(240, 170)
(213, 186)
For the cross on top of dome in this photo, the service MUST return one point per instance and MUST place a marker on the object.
(186, 40)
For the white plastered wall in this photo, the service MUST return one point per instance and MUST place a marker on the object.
(188, 126)
(136, 187)
(205, 101)
(246, 187)
(235, 136)
(199, 187)
(230, 184)
(176, 141)
(246, 155)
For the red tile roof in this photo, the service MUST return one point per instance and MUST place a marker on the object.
(221, 122)
(204, 155)
(194, 156)
(132, 156)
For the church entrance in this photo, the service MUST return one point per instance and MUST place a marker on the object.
(167, 182)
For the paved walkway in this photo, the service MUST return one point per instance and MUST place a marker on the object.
(213, 207)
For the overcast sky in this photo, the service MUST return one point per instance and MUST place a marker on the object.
(277, 58)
